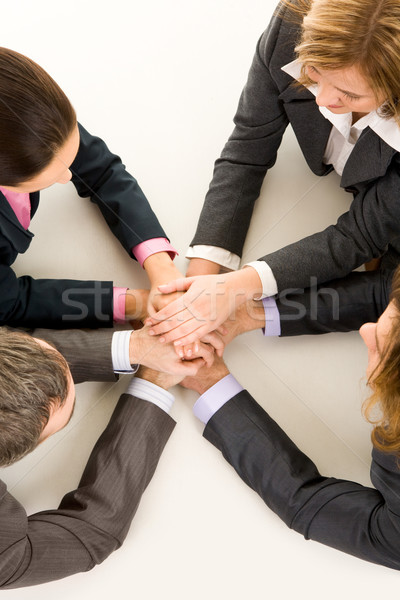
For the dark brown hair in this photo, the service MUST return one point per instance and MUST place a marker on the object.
(382, 409)
(33, 379)
(36, 118)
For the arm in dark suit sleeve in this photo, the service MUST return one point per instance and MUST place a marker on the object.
(359, 235)
(100, 175)
(251, 150)
(88, 353)
(63, 303)
(94, 519)
(340, 305)
(361, 521)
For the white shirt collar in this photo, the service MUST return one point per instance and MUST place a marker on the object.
(387, 129)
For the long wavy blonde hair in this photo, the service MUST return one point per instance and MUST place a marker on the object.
(337, 34)
(382, 409)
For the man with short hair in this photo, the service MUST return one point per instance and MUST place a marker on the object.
(37, 376)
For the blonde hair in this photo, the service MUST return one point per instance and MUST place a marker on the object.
(338, 34)
(382, 409)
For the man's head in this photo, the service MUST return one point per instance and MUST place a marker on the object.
(36, 394)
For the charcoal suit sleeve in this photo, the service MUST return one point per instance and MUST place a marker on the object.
(87, 352)
(100, 175)
(362, 233)
(355, 519)
(93, 520)
(251, 150)
(339, 305)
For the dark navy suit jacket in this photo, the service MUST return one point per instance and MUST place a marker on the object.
(59, 303)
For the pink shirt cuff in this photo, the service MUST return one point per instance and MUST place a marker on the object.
(119, 304)
(145, 249)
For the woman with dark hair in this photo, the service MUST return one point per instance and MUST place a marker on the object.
(41, 143)
(330, 68)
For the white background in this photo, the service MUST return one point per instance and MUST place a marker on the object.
(160, 81)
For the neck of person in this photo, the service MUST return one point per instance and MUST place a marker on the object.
(357, 116)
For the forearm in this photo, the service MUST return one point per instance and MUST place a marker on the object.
(160, 268)
(341, 514)
(93, 520)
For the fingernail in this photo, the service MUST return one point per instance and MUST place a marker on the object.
(178, 343)
(162, 339)
(196, 347)
(151, 332)
(189, 353)
(180, 354)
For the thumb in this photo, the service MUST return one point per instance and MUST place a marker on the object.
(177, 285)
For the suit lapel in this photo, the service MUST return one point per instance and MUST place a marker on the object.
(311, 128)
(369, 159)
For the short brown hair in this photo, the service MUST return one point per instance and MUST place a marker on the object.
(337, 34)
(36, 118)
(32, 380)
(385, 382)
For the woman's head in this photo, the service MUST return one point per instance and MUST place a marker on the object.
(36, 121)
(383, 342)
(339, 34)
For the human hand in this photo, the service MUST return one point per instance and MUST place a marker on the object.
(146, 351)
(136, 305)
(206, 377)
(163, 380)
(208, 301)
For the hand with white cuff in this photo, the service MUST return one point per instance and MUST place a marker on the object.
(147, 351)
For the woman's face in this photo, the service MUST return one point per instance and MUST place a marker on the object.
(57, 171)
(343, 90)
(375, 336)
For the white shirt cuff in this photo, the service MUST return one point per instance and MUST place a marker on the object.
(218, 255)
(145, 390)
(120, 352)
(268, 281)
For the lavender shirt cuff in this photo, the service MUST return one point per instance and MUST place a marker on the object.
(272, 317)
(214, 398)
(145, 249)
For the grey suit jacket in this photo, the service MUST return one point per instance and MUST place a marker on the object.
(94, 519)
(359, 520)
(269, 102)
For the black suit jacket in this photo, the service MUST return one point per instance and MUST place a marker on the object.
(269, 102)
(94, 519)
(101, 176)
(361, 521)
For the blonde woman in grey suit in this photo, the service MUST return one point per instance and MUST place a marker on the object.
(330, 68)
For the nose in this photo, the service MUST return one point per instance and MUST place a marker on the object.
(367, 332)
(326, 95)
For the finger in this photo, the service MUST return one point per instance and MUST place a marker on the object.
(184, 320)
(169, 311)
(207, 352)
(189, 338)
(190, 368)
(178, 285)
(180, 332)
(215, 341)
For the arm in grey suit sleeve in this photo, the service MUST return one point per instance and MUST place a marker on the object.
(361, 521)
(251, 150)
(341, 305)
(359, 235)
(94, 519)
(88, 352)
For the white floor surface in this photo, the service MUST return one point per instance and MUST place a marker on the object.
(160, 81)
